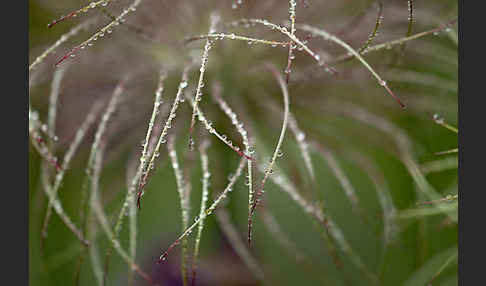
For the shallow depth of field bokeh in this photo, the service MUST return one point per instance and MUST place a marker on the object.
(358, 138)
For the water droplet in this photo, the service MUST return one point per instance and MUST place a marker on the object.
(234, 6)
(301, 136)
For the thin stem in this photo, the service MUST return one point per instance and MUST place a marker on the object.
(105, 226)
(75, 13)
(284, 31)
(372, 36)
(221, 36)
(64, 38)
(209, 127)
(276, 153)
(106, 29)
(87, 188)
(204, 60)
(244, 134)
(204, 199)
(326, 36)
(183, 202)
(410, 23)
(73, 147)
(392, 43)
(207, 212)
(162, 138)
(292, 5)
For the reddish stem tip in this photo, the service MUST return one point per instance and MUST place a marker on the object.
(138, 201)
(244, 155)
(58, 167)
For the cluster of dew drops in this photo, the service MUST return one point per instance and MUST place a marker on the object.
(236, 4)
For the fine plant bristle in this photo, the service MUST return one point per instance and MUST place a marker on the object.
(244, 134)
(64, 38)
(115, 243)
(326, 36)
(75, 13)
(276, 153)
(293, 38)
(88, 185)
(101, 33)
(390, 44)
(162, 137)
(249, 40)
(204, 198)
(204, 61)
(184, 204)
(208, 211)
(222, 137)
(410, 5)
(374, 33)
(439, 120)
(290, 57)
(73, 147)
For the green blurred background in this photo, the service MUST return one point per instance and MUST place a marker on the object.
(326, 108)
